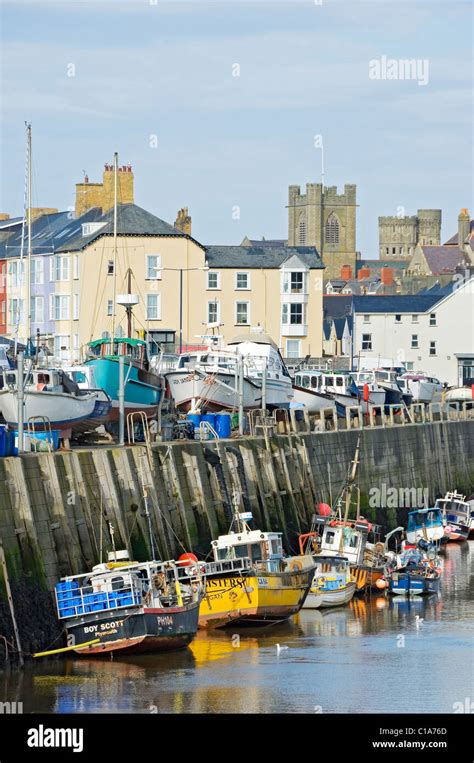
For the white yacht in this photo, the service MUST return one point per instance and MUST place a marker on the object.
(210, 378)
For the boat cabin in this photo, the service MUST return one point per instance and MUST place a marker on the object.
(42, 380)
(256, 546)
(308, 379)
(455, 508)
(337, 538)
(425, 524)
(132, 349)
(386, 377)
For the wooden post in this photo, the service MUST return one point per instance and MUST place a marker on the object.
(10, 602)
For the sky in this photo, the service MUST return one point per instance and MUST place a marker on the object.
(218, 106)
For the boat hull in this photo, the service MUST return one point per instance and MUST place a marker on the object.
(254, 599)
(143, 388)
(322, 599)
(218, 391)
(62, 410)
(135, 630)
(314, 401)
(406, 584)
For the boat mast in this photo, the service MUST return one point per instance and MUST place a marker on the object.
(350, 485)
(28, 261)
(129, 310)
(115, 247)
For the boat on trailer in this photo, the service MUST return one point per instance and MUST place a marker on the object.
(251, 582)
(130, 607)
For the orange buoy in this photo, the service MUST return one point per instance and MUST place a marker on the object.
(366, 393)
(324, 510)
(187, 559)
(381, 583)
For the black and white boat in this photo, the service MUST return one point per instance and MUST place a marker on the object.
(130, 607)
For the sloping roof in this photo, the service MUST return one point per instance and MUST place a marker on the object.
(443, 259)
(131, 221)
(339, 324)
(375, 266)
(395, 303)
(327, 327)
(453, 241)
(260, 257)
(10, 222)
(48, 233)
(337, 305)
(264, 242)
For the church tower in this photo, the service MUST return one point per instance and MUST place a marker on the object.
(327, 220)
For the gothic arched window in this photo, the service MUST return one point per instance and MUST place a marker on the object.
(332, 229)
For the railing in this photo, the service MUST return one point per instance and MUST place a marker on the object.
(228, 565)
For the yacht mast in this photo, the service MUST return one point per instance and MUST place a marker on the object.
(28, 261)
(115, 247)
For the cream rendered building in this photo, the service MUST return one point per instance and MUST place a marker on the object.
(224, 289)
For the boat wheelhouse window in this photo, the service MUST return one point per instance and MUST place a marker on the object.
(298, 380)
(364, 377)
(330, 536)
(352, 541)
(79, 377)
(305, 382)
(329, 381)
(233, 552)
(339, 381)
(275, 547)
(314, 382)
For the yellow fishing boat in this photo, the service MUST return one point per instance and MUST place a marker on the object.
(250, 581)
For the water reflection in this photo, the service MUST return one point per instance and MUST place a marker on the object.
(351, 659)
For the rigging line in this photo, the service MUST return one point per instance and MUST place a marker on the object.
(20, 279)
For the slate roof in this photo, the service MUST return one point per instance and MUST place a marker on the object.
(397, 303)
(48, 232)
(453, 241)
(10, 222)
(260, 257)
(337, 305)
(375, 266)
(131, 221)
(270, 242)
(443, 259)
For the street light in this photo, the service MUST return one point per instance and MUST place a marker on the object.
(181, 271)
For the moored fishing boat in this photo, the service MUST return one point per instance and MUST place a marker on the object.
(130, 607)
(251, 582)
(425, 524)
(333, 584)
(456, 516)
(366, 378)
(84, 378)
(307, 391)
(417, 573)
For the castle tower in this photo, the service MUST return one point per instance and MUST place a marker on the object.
(327, 220)
(429, 226)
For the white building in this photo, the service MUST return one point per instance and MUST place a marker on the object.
(430, 332)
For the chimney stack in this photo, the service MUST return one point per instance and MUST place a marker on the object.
(183, 221)
(463, 227)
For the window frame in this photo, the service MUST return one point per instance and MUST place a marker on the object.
(236, 313)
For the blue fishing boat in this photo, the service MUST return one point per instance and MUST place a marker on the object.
(143, 387)
(417, 573)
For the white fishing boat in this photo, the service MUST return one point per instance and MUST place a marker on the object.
(366, 378)
(318, 389)
(51, 399)
(307, 391)
(333, 584)
(456, 516)
(210, 378)
(424, 389)
(387, 380)
(83, 376)
(458, 395)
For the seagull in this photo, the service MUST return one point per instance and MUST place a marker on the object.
(280, 648)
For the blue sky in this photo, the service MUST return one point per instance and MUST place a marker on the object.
(164, 68)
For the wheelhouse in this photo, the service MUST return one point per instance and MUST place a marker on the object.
(256, 546)
(133, 349)
(426, 524)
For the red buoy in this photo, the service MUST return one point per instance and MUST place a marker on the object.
(324, 510)
(187, 559)
(366, 393)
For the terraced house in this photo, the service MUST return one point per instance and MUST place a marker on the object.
(183, 288)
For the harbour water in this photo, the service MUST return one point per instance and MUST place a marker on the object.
(379, 656)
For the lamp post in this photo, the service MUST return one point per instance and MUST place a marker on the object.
(181, 271)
